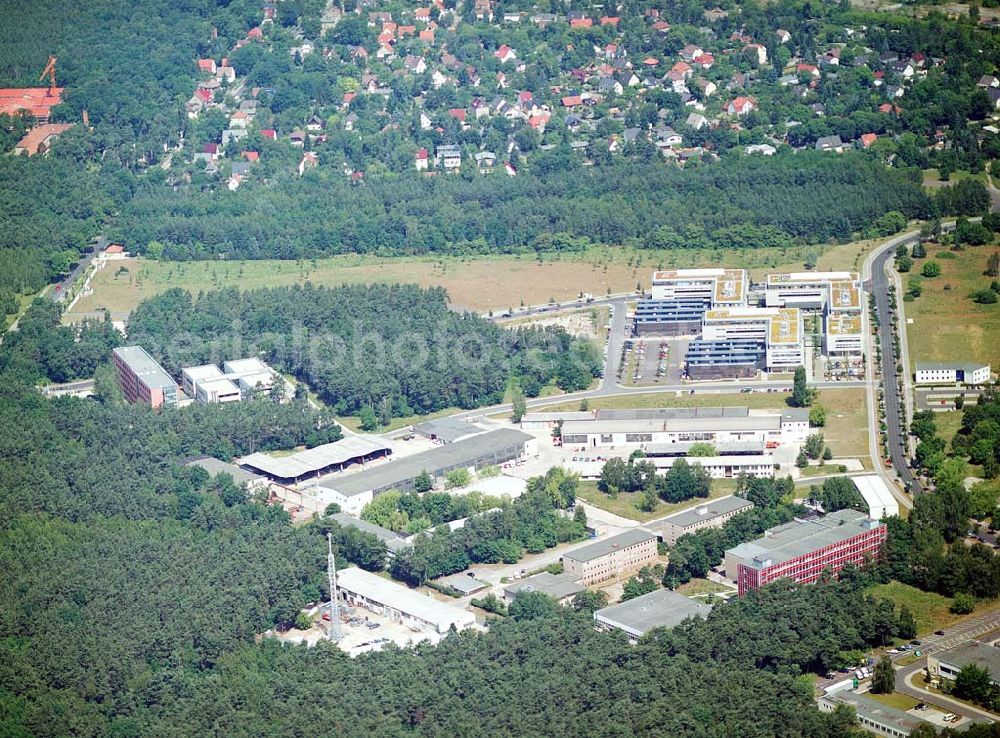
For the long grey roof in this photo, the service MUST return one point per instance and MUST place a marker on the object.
(681, 448)
(447, 429)
(674, 413)
(876, 711)
(795, 539)
(393, 541)
(661, 608)
(313, 460)
(215, 466)
(708, 510)
(554, 585)
(145, 366)
(436, 461)
(653, 425)
(604, 547)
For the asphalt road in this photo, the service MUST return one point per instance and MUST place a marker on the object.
(897, 432)
(62, 288)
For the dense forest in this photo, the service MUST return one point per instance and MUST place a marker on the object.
(742, 203)
(397, 348)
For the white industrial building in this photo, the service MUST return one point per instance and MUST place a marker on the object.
(722, 287)
(661, 608)
(947, 373)
(360, 588)
(879, 498)
(687, 425)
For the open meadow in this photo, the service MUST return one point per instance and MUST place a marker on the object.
(474, 283)
(946, 324)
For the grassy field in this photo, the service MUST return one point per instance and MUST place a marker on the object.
(947, 325)
(476, 283)
(899, 701)
(701, 587)
(948, 424)
(930, 609)
(845, 411)
(624, 503)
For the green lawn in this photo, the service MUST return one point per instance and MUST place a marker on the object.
(948, 424)
(702, 587)
(947, 325)
(624, 503)
(930, 609)
(899, 701)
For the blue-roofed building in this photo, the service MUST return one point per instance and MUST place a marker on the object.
(670, 317)
(725, 359)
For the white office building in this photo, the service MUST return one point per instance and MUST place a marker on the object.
(778, 329)
(961, 373)
(808, 290)
(722, 287)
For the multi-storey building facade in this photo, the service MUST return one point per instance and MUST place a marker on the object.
(803, 550)
(142, 379)
(612, 557)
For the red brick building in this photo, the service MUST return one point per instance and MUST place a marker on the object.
(803, 550)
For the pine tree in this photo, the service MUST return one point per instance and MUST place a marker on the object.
(993, 265)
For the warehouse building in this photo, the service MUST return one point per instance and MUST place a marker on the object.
(712, 514)
(612, 557)
(874, 717)
(661, 608)
(806, 290)
(353, 491)
(947, 664)
(803, 550)
(546, 420)
(313, 462)
(719, 286)
(560, 587)
(665, 426)
(447, 430)
(394, 543)
(961, 373)
(879, 498)
(360, 588)
(669, 317)
(142, 379)
(241, 476)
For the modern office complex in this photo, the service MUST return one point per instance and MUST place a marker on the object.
(721, 287)
(681, 317)
(961, 373)
(142, 379)
(802, 550)
(659, 609)
(711, 514)
(360, 588)
(807, 290)
(739, 341)
(612, 557)
(241, 379)
(664, 426)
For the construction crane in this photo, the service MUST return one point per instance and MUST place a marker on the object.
(50, 72)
